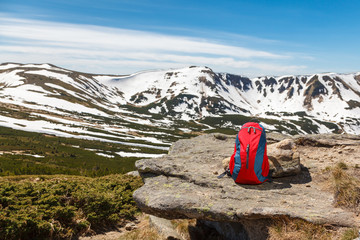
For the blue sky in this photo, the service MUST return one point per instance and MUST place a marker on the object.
(250, 38)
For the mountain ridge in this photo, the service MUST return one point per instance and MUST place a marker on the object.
(186, 100)
(313, 89)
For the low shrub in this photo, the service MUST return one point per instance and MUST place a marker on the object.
(61, 207)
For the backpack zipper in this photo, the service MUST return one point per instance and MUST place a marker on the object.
(247, 156)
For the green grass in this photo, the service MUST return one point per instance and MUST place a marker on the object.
(350, 234)
(62, 155)
(62, 207)
(235, 119)
(306, 125)
(228, 131)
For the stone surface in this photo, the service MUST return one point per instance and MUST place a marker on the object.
(274, 137)
(130, 226)
(164, 227)
(133, 173)
(284, 158)
(184, 184)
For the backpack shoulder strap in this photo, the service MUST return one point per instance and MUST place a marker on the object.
(227, 172)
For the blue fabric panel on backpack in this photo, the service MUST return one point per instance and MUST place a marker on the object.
(263, 130)
(237, 159)
(259, 158)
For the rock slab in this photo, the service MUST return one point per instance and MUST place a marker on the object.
(184, 184)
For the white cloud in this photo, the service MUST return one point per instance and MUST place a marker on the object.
(114, 50)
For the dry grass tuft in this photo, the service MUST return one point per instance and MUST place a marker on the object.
(342, 165)
(285, 228)
(144, 231)
(350, 234)
(182, 226)
(346, 188)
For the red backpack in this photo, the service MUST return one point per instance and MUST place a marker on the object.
(249, 163)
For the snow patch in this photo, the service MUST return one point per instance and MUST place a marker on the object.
(105, 155)
(11, 79)
(139, 155)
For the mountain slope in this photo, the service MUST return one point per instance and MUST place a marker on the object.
(154, 108)
(44, 98)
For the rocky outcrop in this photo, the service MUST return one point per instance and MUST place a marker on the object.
(184, 184)
(284, 159)
(133, 173)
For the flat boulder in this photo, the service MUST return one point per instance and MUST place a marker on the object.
(184, 184)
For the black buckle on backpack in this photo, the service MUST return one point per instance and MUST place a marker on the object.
(227, 172)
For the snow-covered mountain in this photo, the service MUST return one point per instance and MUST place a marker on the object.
(201, 92)
(158, 107)
(197, 92)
